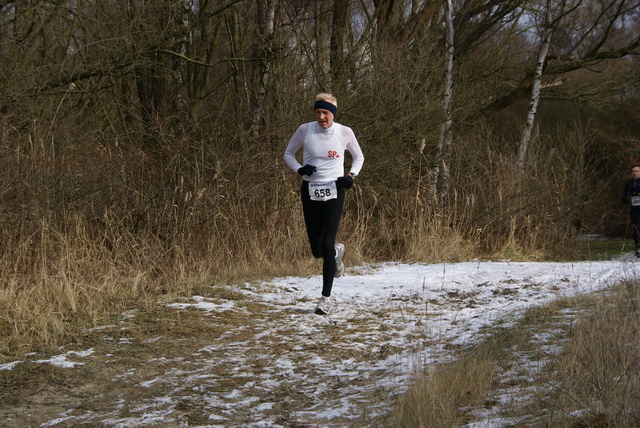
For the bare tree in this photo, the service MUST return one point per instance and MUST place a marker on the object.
(595, 31)
(263, 54)
(444, 139)
(546, 31)
(321, 15)
(338, 45)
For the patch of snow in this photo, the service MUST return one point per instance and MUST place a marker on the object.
(392, 319)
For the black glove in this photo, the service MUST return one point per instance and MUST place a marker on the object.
(307, 170)
(345, 181)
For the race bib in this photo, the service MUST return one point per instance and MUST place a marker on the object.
(323, 191)
(635, 201)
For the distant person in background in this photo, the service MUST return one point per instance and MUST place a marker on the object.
(632, 193)
(323, 144)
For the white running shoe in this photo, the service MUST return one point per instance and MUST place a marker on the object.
(339, 262)
(323, 306)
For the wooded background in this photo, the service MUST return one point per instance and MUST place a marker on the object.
(152, 132)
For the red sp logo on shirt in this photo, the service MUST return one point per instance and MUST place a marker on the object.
(333, 154)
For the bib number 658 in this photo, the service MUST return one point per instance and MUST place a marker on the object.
(323, 191)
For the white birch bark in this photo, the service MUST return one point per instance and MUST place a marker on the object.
(441, 168)
(535, 89)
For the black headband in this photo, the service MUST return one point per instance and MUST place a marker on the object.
(325, 105)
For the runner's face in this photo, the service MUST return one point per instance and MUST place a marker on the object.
(324, 118)
(635, 172)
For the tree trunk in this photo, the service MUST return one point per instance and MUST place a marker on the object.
(263, 52)
(320, 23)
(443, 157)
(535, 88)
(337, 45)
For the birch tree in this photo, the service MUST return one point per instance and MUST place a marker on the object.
(553, 13)
(545, 42)
(444, 139)
(598, 31)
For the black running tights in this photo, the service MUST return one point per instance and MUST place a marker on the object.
(635, 221)
(322, 220)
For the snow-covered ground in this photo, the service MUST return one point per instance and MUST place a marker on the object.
(288, 366)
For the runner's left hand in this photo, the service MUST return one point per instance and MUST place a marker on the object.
(345, 181)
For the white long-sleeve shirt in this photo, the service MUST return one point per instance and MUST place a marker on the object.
(324, 149)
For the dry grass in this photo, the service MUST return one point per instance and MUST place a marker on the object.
(436, 396)
(88, 232)
(598, 372)
(549, 369)
(64, 274)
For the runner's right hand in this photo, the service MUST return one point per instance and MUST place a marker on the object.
(307, 170)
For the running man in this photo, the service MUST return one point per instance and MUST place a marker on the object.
(323, 144)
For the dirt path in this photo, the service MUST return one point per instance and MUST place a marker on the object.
(227, 361)
(256, 355)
